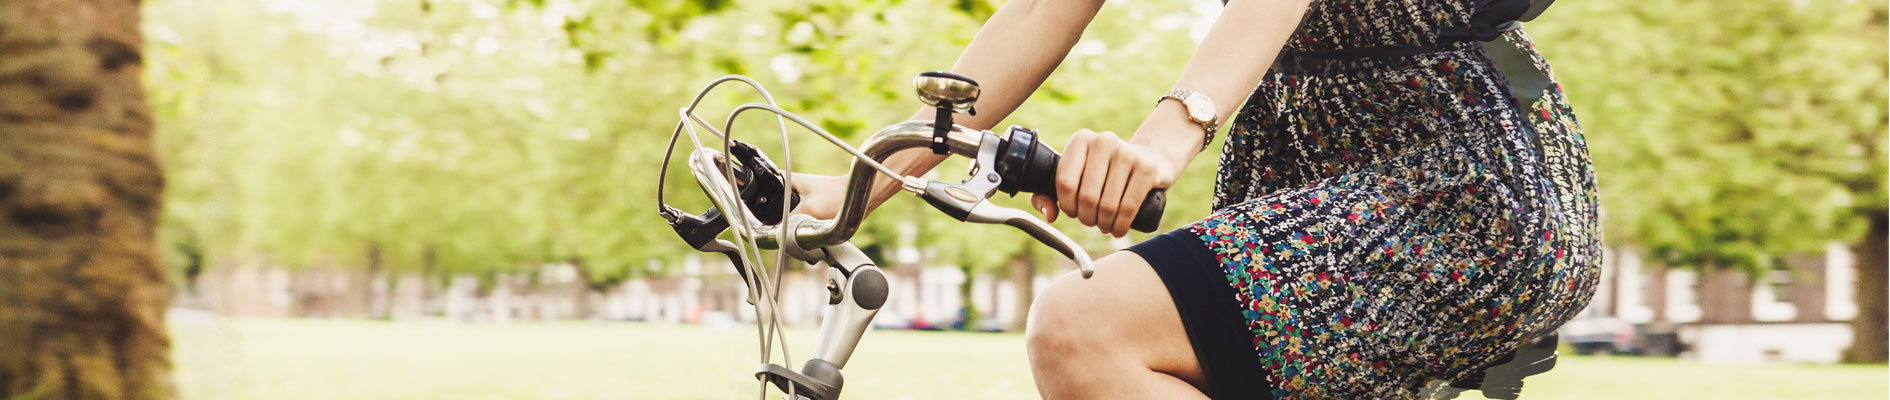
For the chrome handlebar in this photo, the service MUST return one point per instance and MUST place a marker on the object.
(752, 196)
(705, 164)
(804, 235)
(1010, 164)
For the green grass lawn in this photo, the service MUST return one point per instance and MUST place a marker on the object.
(315, 359)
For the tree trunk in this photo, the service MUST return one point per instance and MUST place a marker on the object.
(389, 283)
(968, 311)
(1024, 279)
(430, 286)
(581, 292)
(82, 290)
(1868, 330)
(362, 289)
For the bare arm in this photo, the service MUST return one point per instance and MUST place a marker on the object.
(1102, 179)
(1232, 59)
(1010, 57)
(1024, 41)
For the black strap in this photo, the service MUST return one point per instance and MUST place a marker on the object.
(941, 126)
(1363, 52)
(1535, 10)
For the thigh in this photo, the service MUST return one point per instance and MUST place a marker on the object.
(1123, 309)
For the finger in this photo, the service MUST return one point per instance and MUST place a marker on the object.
(1141, 181)
(1043, 204)
(1070, 170)
(1109, 206)
(1095, 174)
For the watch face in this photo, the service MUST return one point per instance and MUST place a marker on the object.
(1200, 108)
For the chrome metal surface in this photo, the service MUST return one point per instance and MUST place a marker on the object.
(905, 135)
(986, 213)
(935, 90)
(706, 165)
(849, 314)
(845, 321)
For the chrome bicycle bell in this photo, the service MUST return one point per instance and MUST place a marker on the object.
(947, 90)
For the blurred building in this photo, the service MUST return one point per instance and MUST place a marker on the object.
(1798, 313)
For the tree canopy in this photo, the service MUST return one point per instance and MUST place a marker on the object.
(494, 135)
(1728, 134)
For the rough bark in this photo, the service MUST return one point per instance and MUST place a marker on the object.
(82, 290)
(1868, 329)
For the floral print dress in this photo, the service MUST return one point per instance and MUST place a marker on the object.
(1388, 220)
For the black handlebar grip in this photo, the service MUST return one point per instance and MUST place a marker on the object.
(1039, 176)
(1150, 216)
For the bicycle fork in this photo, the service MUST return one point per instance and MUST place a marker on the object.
(856, 289)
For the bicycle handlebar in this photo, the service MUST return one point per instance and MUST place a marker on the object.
(1016, 162)
(1027, 165)
(705, 166)
(751, 195)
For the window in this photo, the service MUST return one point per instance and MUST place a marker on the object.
(1683, 295)
(1771, 297)
(1840, 274)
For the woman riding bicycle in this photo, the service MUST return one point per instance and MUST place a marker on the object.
(1388, 212)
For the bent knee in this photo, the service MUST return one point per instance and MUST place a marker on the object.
(1058, 321)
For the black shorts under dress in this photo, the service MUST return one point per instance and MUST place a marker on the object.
(1384, 217)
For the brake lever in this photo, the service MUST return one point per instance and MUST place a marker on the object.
(960, 204)
(700, 232)
(986, 213)
(728, 249)
(969, 201)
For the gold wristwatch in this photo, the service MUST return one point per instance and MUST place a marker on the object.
(1200, 110)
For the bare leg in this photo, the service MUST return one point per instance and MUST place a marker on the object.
(1115, 335)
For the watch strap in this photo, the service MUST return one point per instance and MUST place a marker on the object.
(1178, 94)
(1209, 126)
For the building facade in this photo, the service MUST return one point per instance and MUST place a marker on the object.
(1797, 313)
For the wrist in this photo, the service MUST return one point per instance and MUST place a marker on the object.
(1169, 133)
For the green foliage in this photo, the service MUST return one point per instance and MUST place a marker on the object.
(503, 134)
(847, 64)
(305, 136)
(1728, 134)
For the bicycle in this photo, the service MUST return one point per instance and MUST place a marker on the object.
(752, 191)
(753, 197)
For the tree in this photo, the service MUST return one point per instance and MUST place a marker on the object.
(814, 57)
(476, 137)
(386, 146)
(1729, 135)
(82, 291)
(498, 137)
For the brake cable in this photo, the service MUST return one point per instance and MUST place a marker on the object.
(768, 328)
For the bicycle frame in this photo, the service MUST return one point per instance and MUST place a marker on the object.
(856, 286)
(857, 289)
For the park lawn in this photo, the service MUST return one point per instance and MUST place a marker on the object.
(333, 359)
